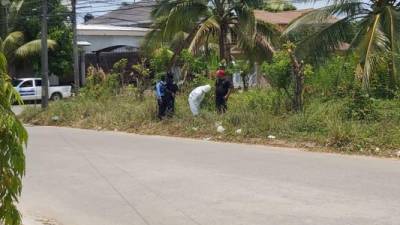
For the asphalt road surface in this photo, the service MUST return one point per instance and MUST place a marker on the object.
(79, 177)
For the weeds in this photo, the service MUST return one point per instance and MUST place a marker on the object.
(322, 122)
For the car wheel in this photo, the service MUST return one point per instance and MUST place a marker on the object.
(56, 97)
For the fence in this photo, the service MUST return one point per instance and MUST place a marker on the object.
(106, 60)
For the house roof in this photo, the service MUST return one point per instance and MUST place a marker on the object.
(137, 14)
(279, 18)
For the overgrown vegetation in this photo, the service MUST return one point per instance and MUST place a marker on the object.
(344, 122)
(317, 90)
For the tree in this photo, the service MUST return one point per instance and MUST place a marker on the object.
(199, 21)
(60, 62)
(142, 77)
(377, 32)
(278, 6)
(14, 47)
(287, 72)
(12, 160)
(59, 26)
(9, 11)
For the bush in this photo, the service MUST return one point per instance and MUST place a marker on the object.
(361, 107)
(100, 84)
(335, 78)
(279, 72)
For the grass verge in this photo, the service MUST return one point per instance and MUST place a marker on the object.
(260, 114)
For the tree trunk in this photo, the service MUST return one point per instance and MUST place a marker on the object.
(224, 49)
(222, 46)
(4, 21)
(392, 75)
(298, 75)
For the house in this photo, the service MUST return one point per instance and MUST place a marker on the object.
(106, 38)
(281, 19)
(137, 14)
(115, 35)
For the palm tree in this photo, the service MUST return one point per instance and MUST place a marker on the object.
(373, 28)
(14, 47)
(194, 23)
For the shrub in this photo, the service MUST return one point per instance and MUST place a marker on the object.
(160, 61)
(142, 76)
(279, 72)
(361, 107)
(100, 84)
(335, 78)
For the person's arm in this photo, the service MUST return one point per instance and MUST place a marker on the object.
(227, 94)
(229, 90)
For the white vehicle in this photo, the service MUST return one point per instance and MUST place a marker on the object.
(31, 89)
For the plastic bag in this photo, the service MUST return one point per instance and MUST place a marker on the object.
(196, 97)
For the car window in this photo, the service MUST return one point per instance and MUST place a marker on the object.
(27, 83)
(38, 83)
(16, 82)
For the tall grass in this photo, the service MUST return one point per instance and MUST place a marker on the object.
(258, 113)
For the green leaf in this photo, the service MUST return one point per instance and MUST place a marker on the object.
(33, 48)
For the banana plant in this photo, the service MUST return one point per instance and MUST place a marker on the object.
(13, 138)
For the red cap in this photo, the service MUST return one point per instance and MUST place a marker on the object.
(220, 73)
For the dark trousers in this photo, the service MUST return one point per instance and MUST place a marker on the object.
(162, 106)
(170, 106)
(221, 104)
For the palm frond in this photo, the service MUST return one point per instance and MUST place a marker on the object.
(325, 40)
(33, 48)
(391, 27)
(178, 39)
(208, 27)
(327, 15)
(370, 46)
(259, 47)
(11, 43)
(155, 38)
(184, 14)
(245, 18)
(269, 31)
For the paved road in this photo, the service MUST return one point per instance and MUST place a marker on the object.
(79, 177)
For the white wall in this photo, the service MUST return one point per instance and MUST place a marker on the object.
(101, 41)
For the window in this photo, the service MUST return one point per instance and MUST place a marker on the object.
(27, 83)
(16, 82)
(38, 83)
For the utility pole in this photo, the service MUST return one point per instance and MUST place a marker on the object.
(45, 58)
(75, 47)
(4, 17)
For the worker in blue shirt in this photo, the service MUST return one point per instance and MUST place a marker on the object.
(160, 94)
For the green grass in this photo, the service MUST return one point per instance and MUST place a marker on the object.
(323, 125)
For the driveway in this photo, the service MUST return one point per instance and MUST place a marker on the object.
(80, 177)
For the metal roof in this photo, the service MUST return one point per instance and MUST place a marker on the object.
(137, 14)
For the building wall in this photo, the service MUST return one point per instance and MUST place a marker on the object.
(99, 42)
